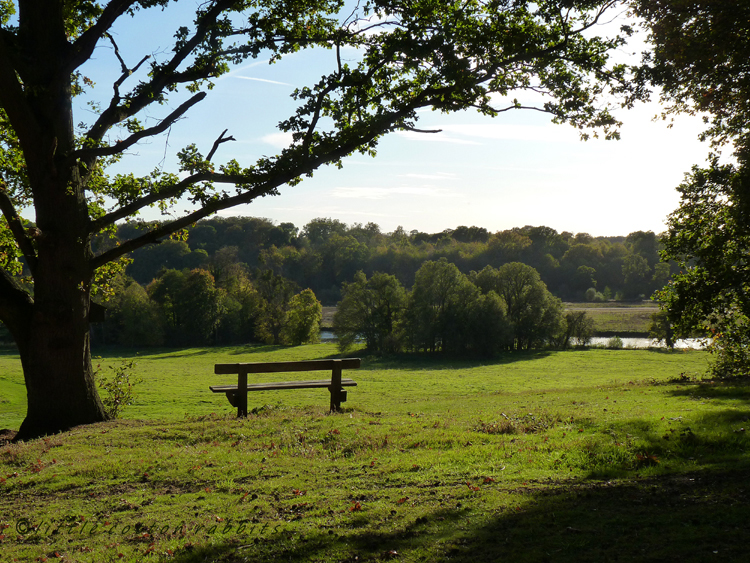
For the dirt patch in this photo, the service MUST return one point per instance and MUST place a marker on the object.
(6, 436)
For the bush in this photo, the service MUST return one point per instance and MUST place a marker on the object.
(119, 389)
(614, 343)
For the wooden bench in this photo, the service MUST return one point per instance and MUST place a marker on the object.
(237, 394)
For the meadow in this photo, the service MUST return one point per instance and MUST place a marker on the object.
(584, 455)
(620, 318)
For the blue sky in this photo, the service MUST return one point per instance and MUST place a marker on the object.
(517, 169)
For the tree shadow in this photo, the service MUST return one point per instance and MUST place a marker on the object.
(439, 362)
(686, 500)
(728, 390)
(693, 517)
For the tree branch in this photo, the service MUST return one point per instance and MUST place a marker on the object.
(163, 77)
(265, 188)
(121, 146)
(16, 307)
(82, 49)
(415, 130)
(16, 227)
(174, 191)
(126, 72)
(217, 142)
(14, 102)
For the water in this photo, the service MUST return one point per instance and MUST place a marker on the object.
(327, 336)
(627, 342)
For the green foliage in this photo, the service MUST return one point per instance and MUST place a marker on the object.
(439, 312)
(328, 253)
(578, 328)
(118, 388)
(139, 318)
(276, 293)
(303, 319)
(661, 329)
(636, 270)
(614, 343)
(534, 313)
(709, 238)
(371, 310)
(698, 59)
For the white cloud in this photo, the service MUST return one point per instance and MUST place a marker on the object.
(264, 80)
(280, 140)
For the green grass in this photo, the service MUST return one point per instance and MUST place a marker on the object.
(595, 455)
(618, 317)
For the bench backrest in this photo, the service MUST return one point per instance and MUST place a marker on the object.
(277, 367)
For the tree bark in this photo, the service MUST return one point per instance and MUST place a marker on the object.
(53, 339)
(60, 387)
(56, 347)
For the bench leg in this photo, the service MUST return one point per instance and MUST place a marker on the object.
(241, 396)
(335, 388)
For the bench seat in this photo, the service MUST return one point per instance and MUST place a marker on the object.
(316, 384)
(237, 394)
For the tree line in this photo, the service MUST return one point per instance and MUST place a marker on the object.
(214, 304)
(326, 253)
(241, 279)
(481, 314)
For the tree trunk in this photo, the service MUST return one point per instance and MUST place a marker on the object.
(56, 347)
(52, 332)
(60, 387)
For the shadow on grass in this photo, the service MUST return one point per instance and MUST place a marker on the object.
(696, 517)
(686, 515)
(438, 361)
(730, 390)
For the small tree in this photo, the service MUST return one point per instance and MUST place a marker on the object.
(534, 313)
(661, 329)
(303, 319)
(276, 293)
(139, 319)
(371, 310)
(578, 328)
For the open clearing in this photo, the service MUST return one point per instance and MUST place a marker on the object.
(595, 455)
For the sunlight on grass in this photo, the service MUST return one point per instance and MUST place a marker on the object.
(432, 460)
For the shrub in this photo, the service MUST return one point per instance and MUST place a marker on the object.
(614, 343)
(118, 390)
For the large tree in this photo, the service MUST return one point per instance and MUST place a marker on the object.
(448, 55)
(700, 58)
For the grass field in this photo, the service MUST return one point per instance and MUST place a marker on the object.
(596, 455)
(621, 318)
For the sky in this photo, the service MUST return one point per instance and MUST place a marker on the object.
(514, 170)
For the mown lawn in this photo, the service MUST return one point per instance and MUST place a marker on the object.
(595, 455)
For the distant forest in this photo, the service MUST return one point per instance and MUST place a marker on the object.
(326, 253)
(245, 279)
